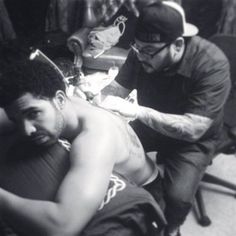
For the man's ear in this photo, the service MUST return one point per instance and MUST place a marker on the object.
(177, 49)
(179, 44)
(59, 100)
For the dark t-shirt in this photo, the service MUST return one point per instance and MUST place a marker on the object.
(199, 85)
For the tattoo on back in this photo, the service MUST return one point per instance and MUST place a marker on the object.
(133, 137)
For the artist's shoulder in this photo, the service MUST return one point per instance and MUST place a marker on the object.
(203, 57)
(204, 50)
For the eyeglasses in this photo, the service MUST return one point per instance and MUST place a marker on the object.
(148, 53)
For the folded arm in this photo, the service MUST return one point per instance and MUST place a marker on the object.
(78, 198)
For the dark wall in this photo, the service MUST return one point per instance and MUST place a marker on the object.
(27, 16)
(205, 14)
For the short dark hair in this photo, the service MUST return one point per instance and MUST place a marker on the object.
(25, 76)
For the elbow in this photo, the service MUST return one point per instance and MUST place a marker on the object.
(64, 229)
(62, 225)
(197, 127)
(196, 135)
(193, 138)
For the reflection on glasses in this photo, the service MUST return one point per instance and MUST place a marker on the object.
(148, 53)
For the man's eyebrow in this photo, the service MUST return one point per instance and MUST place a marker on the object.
(12, 115)
(28, 110)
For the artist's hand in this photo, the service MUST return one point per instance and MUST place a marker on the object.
(123, 107)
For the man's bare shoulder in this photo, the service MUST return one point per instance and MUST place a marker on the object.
(92, 114)
(103, 123)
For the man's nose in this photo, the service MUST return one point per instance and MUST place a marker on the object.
(28, 128)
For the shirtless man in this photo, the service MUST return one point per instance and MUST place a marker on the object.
(33, 97)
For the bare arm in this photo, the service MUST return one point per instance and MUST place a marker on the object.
(188, 127)
(79, 195)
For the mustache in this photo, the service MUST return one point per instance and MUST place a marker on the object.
(37, 135)
(146, 65)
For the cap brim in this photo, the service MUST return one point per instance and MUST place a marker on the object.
(190, 30)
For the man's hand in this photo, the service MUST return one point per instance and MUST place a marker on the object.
(122, 106)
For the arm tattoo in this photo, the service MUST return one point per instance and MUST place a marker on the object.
(131, 139)
(188, 127)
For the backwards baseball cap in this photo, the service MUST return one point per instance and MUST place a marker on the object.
(163, 21)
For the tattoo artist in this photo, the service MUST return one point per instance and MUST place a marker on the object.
(183, 82)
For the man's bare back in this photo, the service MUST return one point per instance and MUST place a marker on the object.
(130, 158)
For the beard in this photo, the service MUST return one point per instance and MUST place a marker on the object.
(159, 66)
(59, 123)
(57, 130)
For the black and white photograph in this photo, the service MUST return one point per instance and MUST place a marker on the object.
(117, 117)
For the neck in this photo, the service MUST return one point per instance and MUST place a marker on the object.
(71, 122)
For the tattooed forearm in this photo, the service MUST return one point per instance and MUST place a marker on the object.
(188, 127)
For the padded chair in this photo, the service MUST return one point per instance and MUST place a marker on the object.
(227, 43)
(77, 42)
